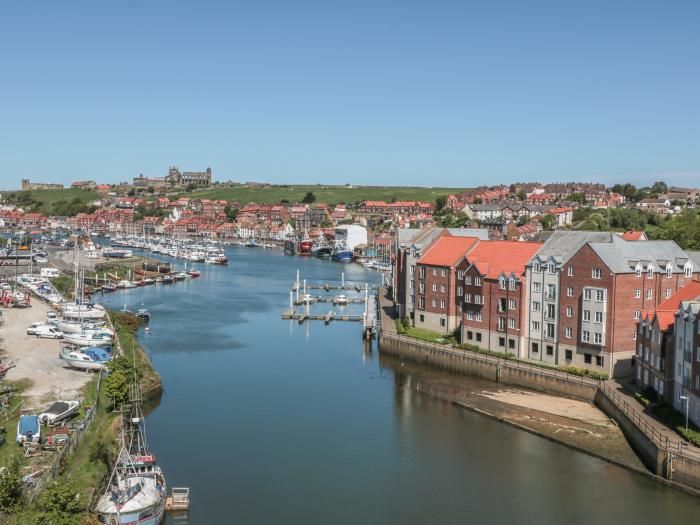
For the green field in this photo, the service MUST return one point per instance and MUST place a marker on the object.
(323, 193)
(51, 201)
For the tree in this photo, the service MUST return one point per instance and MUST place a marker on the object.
(522, 195)
(548, 222)
(579, 197)
(478, 200)
(231, 213)
(309, 198)
(10, 489)
(659, 187)
(440, 203)
(61, 504)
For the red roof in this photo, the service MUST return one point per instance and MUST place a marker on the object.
(666, 311)
(493, 258)
(632, 235)
(448, 250)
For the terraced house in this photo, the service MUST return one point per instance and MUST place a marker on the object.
(686, 388)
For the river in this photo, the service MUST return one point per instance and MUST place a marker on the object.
(268, 421)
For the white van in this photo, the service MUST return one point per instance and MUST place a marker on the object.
(50, 272)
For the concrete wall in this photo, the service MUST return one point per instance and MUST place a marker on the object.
(487, 368)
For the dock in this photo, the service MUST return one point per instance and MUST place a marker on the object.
(328, 299)
(327, 317)
(179, 500)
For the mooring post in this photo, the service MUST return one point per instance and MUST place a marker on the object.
(342, 279)
(304, 286)
(297, 278)
(308, 306)
(291, 301)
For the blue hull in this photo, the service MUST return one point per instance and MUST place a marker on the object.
(342, 256)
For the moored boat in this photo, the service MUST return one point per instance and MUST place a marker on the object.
(85, 358)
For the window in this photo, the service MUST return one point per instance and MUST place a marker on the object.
(470, 335)
(586, 315)
(570, 271)
(413, 284)
(598, 338)
(477, 299)
(459, 291)
(551, 310)
(596, 273)
(421, 304)
(511, 322)
(511, 304)
(434, 302)
(512, 283)
(442, 304)
(535, 306)
(535, 326)
(586, 336)
(502, 305)
(550, 331)
(570, 291)
(569, 332)
(637, 314)
(668, 293)
(501, 341)
(502, 283)
(669, 271)
(477, 316)
(460, 274)
(422, 272)
(638, 271)
(550, 350)
(470, 315)
(650, 272)
(442, 322)
(478, 337)
(587, 294)
(434, 287)
(599, 317)
(434, 272)
(569, 311)
(688, 270)
(477, 281)
(650, 294)
(443, 273)
(468, 280)
(422, 318)
(413, 269)
(587, 358)
(600, 295)
(501, 323)
(551, 268)
(442, 288)
(511, 344)
(551, 292)
(535, 348)
(467, 298)
(537, 287)
(637, 294)
(568, 355)
(536, 267)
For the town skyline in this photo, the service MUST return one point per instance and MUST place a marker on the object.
(329, 94)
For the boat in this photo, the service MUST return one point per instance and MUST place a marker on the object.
(342, 255)
(342, 299)
(28, 429)
(289, 247)
(167, 279)
(89, 338)
(82, 311)
(124, 283)
(143, 313)
(194, 273)
(180, 275)
(85, 358)
(59, 411)
(76, 327)
(156, 266)
(305, 246)
(159, 280)
(148, 281)
(137, 490)
(324, 252)
(117, 254)
(108, 287)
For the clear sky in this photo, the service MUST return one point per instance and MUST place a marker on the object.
(432, 93)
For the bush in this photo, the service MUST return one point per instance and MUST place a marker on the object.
(650, 394)
(583, 372)
(10, 489)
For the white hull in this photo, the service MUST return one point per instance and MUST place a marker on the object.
(82, 340)
(83, 365)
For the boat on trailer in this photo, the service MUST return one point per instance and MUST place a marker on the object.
(59, 411)
(95, 358)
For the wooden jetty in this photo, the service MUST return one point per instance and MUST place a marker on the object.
(179, 500)
(327, 317)
(334, 300)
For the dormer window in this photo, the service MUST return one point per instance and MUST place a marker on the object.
(552, 269)
(688, 270)
(638, 271)
(511, 284)
(502, 283)
(669, 271)
(536, 267)
(650, 272)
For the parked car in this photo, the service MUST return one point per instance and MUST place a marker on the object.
(5, 286)
(31, 329)
(48, 332)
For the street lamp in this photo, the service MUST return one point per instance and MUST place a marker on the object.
(685, 398)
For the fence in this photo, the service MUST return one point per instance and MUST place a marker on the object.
(641, 421)
(31, 491)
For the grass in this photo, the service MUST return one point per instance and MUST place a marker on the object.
(126, 326)
(427, 335)
(44, 200)
(324, 193)
(674, 419)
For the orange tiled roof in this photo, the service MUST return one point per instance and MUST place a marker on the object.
(492, 258)
(666, 311)
(448, 250)
(632, 235)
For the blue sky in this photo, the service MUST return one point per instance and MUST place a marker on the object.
(364, 92)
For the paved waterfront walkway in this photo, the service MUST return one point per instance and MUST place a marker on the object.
(386, 310)
(664, 431)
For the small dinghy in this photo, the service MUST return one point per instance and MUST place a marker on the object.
(59, 411)
(28, 430)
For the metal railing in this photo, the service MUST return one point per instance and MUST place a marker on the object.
(643, 423)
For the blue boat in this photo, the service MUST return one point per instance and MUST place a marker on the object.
(28, 430)
(342, 255)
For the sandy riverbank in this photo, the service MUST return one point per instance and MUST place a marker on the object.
(37, 359)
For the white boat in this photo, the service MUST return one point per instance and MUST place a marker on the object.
(82, 311)
(59, 411)
(89, 338)
(85, 358)
(125, 284)
(342, 299)
(76, 327)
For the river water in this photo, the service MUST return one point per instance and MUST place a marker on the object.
(268, 421)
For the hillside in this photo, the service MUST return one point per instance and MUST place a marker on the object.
(52, 202)
(323, 193)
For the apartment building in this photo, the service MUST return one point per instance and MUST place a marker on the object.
(686, 387)
(654, 359)
(436, 283)
(584, 306)
(491, 294)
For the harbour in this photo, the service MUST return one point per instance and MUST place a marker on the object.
(315, 419)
